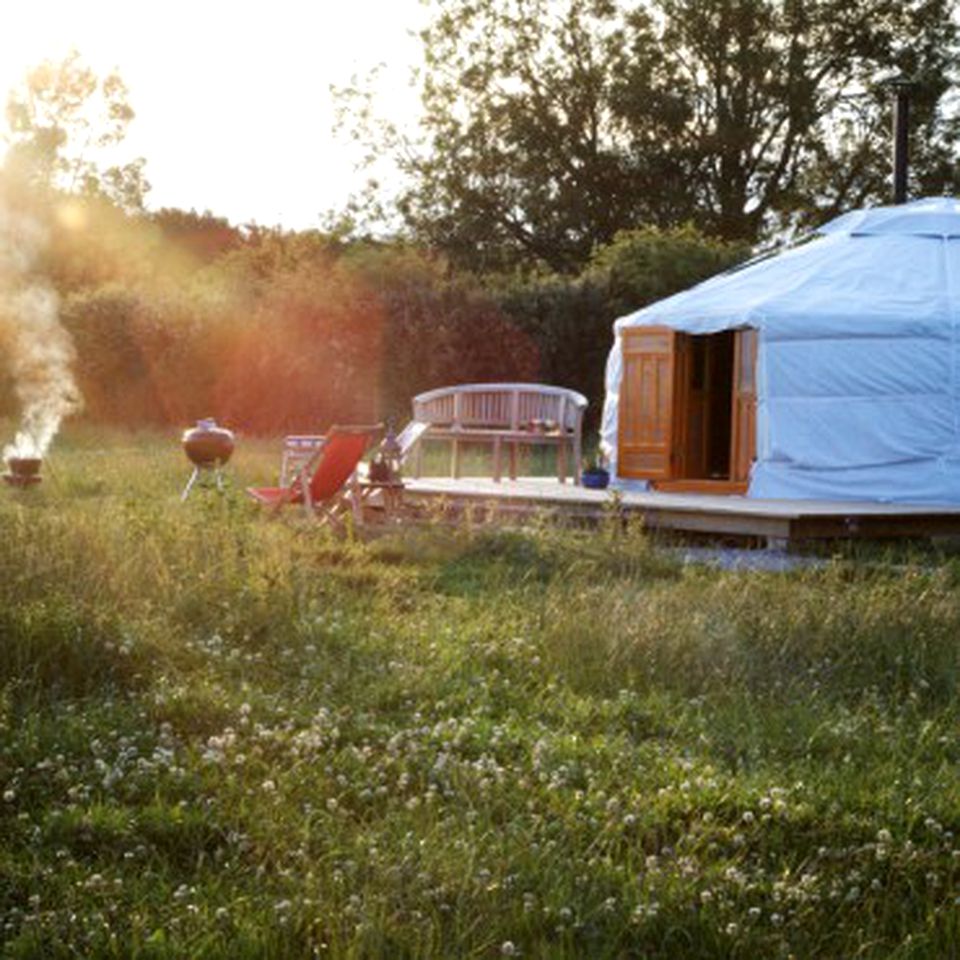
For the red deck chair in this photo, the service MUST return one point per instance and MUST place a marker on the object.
(322, 483)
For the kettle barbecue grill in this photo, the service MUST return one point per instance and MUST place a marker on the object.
(208, 447)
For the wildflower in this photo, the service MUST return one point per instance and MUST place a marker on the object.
(732, 929)
(508, 949)
(268, 786)
(9, 795)
(884, 836)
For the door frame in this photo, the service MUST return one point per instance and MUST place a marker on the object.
(646, 349)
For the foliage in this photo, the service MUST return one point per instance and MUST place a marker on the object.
(642, 266)
(203, 235)
(294, 331)
(790, 107)
(263, 742)
(570, 319)
(64, 125)
(547, 128)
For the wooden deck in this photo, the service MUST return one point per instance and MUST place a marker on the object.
(773, 520)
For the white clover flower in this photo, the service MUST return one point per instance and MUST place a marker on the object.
(508, 949)
(884, 836)
(732, 929)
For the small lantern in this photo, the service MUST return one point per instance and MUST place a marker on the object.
(392, 454)
(385, 467)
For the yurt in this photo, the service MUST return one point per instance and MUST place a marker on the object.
(829, 371)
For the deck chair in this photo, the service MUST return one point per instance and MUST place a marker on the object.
(323, 485)
(409, 437)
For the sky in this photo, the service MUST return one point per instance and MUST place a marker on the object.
(234, 113)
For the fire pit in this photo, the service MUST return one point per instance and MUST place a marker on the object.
(23, 471)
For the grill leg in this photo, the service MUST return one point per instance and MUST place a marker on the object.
(193, 479)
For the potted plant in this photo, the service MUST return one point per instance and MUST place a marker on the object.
(595, 475)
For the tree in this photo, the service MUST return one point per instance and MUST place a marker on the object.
(789, 111)
(203, 235)
(549, 126)
(64, 122)
(532, 146)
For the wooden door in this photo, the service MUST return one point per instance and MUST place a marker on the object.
(744, 413)
(645, 442)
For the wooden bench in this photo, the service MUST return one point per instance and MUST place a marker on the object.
(503, 414)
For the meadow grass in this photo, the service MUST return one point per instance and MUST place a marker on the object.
(225, 736)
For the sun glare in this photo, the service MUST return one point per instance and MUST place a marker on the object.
(71, 216)
(233, 104)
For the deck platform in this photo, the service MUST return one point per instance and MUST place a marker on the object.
(736, 516)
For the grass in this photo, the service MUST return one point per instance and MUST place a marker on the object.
(222, 736)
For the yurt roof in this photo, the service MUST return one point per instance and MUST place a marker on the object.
(891, 271)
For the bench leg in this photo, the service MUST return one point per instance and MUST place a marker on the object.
(562, 461)
(418, 461)
(513, 461)
(455, 459)
(497, 458)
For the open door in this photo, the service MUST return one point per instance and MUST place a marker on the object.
(646, 413)
(687, 419)
(744, 413)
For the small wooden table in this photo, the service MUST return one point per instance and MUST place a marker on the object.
(392, 491)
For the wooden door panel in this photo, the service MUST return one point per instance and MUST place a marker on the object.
(744, 413)
(646, 412)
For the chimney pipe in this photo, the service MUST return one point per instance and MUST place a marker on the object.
(901, 87)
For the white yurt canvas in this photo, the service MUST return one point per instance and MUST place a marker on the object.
(857, 379)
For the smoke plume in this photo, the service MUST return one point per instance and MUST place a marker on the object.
(39, 350)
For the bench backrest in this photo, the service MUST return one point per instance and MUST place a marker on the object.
(500, 406)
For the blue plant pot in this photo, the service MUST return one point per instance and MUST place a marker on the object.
(595, 479)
